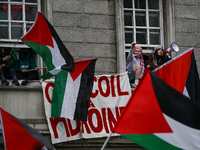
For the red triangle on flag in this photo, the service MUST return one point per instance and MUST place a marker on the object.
(178, 68)
(15, 136)
(142, 114)
(79, 67)
(39, 33)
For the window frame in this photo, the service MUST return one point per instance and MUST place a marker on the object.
(17, 43)
(169, 30)
(147, 48)
(23, 21)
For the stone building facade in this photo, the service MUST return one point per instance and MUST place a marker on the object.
(95, 29)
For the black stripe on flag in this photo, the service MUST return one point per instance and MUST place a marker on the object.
(174, 104)
(85, 90)
(63, 50)
(193, 83)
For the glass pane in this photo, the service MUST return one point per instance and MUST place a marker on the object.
(140, 17)
(154, 36)
(129, 36)
(141, 36)
(128, 18)
(154, 20)
(3, 30)
(16, 30)
(3, 11)
(31, 1)
(128, 4)
(153, 4)
(140, 4)
(16, 0)
(16, 12)
(28, 26)
(31, 12)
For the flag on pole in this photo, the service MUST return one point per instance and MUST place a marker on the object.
(72, 91)
(160, 119)
(181, 73)
(44, 40)
(18, 135)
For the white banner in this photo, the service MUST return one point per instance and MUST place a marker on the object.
(109, 96)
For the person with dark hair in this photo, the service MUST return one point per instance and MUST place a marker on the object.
(157, 59)
(135, 64)
(6, 68)
(25, 67)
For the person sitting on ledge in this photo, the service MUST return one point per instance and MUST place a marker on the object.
(25, 67)
(158, 58)
(7, 70)
(135, 64)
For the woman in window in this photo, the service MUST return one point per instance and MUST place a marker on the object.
(157, 59)
(135, 64)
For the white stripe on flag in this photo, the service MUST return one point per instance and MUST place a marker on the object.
(183, 136)
(44, 148)
(70, 97)
(185, 92)
(57, 58)
(55, 71)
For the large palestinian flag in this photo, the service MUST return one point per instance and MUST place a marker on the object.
(181, 73)
(18, 135)
(160, 119)
(44, 40)
(72, 91)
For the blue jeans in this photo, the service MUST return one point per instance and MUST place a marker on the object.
(131, 75)
(7, 72)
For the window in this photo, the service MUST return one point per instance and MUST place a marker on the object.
(143, 23)
(17, 16)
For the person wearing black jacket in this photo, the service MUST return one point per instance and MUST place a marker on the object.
(24, 65)
(4, 59)
(6, 68)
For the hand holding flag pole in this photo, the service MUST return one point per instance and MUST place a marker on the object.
(38, 69)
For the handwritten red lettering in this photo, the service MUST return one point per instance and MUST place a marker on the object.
(47, 91)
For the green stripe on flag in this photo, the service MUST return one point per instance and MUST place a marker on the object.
(14, 56)
(43, 51)
(150, 142)
(58, 93)
(46, 76)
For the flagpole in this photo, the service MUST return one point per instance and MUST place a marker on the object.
(17, 41)
(38, 69)
(104, 145)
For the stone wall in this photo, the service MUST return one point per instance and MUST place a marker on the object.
(27, 104)
(187, 26)
(87, 28)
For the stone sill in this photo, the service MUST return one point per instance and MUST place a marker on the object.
(32, 86)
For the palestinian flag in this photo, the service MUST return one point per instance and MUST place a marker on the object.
(181, 73)
(71, 94)
(18, 135)
(44, 40)
(160, 119)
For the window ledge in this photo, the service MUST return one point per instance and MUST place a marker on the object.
(32, 86)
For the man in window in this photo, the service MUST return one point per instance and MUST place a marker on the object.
(7, 70)
(25, 67)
